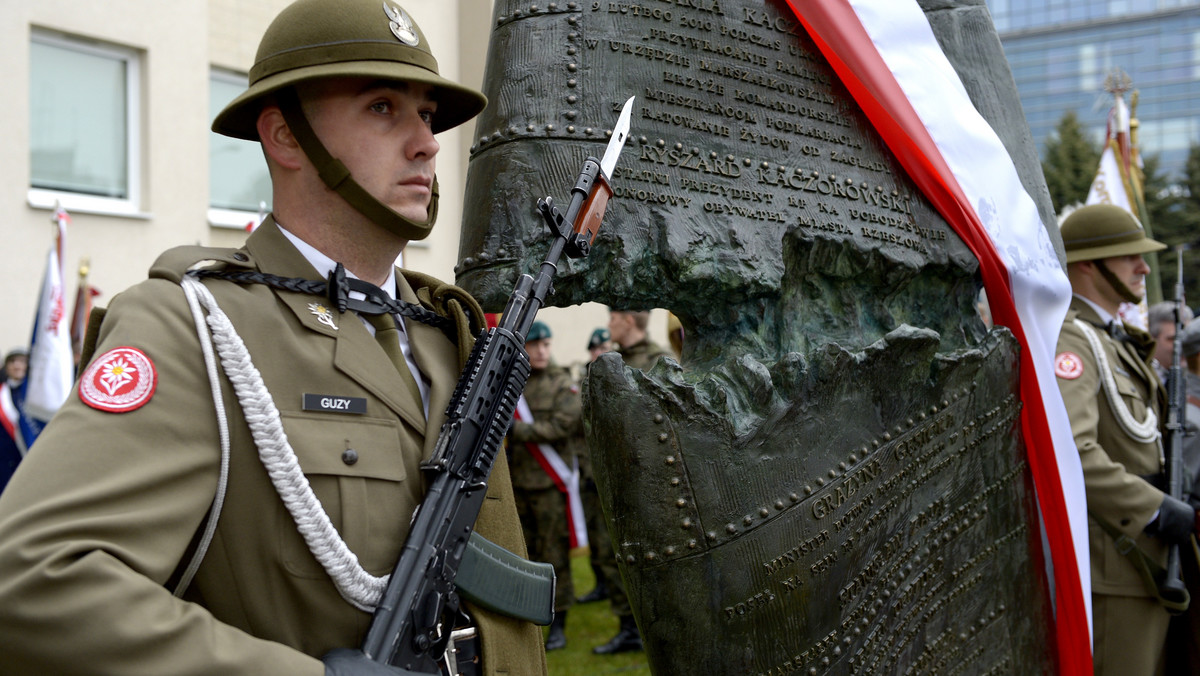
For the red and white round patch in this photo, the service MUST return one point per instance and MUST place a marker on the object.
(1068, 365)
(120, 380)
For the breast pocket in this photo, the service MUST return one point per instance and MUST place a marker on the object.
(1138, 458)
(358, 472)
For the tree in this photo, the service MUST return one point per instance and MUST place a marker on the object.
(1175, 213)
(1071, 160)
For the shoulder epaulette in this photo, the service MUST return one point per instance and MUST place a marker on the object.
(174, 263)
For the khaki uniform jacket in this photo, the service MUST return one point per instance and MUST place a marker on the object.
(554, 402)
(1113, 463)
(103, 512)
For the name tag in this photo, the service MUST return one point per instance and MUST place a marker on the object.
(329, 403)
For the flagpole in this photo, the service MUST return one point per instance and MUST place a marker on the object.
(1137, 176)
(1117, 83)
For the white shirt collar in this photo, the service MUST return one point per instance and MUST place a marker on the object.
(325, 265)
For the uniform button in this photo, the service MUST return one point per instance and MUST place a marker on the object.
(350, 456)
(239, 256)
(1124, 522)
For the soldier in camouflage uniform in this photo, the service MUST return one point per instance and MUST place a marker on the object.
(556, 426)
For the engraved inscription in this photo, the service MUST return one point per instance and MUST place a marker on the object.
(746, 86)
(908, 561)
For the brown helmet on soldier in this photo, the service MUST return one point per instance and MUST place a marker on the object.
(319, 39)
(1102, 231)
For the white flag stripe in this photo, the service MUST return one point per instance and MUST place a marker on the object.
(1109, 185)
(567, 476)
(51, 362)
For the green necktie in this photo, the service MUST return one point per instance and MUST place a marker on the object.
(388, 337)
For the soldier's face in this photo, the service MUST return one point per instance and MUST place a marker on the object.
(539, 353)
(619, 324)
(1164, 345)
(599, 350)
(382, 131)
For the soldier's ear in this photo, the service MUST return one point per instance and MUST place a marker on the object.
(277, 139)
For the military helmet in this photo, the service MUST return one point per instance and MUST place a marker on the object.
(538, 331)
(316, 39)
(1102, 231)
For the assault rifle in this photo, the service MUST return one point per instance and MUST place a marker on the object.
(413, 621)
(1172, 587)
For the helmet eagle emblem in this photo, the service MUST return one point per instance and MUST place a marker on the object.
(401, 25)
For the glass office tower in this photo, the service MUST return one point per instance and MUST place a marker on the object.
(1061, 51)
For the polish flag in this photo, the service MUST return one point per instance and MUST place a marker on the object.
(885, 53)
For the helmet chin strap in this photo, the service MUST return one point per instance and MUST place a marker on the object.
(337, 177)
(1122, 290)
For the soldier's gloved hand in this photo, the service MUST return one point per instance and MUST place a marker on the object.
(348, 662)
(1176, 521)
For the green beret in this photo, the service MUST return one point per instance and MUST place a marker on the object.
(538, 331)
(599, 337)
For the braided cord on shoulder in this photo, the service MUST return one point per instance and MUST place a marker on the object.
(356, 585)
(1143, 432)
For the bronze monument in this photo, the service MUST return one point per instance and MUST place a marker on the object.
(834, 481)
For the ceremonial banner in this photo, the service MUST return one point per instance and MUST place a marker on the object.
(888, 57)
(1109, 186)
(51, 363)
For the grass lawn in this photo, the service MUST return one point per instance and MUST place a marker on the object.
(590, 625)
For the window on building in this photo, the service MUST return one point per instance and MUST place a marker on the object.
(239, 185)
(84, 125)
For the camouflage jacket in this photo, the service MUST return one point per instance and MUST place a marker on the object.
(557, 420)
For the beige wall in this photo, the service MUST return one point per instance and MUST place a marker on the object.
(178, 42)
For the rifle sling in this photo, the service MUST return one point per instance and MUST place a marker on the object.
(1147, 568)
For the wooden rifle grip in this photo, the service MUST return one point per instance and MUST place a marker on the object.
(593, 209)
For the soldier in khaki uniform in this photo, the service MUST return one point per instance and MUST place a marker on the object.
(556, 424)
(1116, 404)
(234, 474)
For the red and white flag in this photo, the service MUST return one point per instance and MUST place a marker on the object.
(566, 478)
(1116, 183)
(886, 55)
(51, 363)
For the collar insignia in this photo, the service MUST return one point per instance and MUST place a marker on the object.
(401, 25)
(323, 315)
